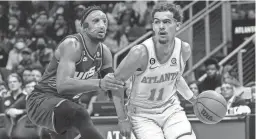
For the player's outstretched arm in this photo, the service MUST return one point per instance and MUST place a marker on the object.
(181, 84)
(70, 53)
(125, 70)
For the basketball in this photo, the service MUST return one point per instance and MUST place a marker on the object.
(210, 107)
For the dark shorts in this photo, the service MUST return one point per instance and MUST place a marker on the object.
(42, 110)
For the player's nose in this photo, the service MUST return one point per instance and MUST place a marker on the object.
(161, 25)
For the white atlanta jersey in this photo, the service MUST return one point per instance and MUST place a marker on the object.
(155, 87)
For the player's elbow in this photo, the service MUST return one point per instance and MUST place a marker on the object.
(62, 87)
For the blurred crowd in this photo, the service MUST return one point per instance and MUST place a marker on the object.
(224, 80)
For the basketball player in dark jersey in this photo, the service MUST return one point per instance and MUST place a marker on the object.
(77, 62)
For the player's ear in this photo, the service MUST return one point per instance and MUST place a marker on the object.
(178, 26)
(153, 28)
(85, 25)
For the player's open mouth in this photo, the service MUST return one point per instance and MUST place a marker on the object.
(162, 33)
(101, 33)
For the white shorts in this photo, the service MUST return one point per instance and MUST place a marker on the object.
(170, 124)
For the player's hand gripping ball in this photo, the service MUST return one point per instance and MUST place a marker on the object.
(210, 107)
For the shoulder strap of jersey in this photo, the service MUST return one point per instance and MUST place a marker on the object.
(149, 44)
(182, 62)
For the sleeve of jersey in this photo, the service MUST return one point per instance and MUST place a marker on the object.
(183, 89)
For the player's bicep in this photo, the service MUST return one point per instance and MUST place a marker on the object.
(131, 63)
(69, 54)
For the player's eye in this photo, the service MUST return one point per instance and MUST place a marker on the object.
(105, 21)
(167, 22)
(96, 20)
(156, 22)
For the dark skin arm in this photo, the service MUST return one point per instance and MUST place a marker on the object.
(136, 58)
(69, 52)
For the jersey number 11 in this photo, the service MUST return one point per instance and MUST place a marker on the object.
(153, 97)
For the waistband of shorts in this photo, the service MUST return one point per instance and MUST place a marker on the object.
(133, 109)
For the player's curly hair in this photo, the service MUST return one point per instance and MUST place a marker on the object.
(165, 6)
(88, 10)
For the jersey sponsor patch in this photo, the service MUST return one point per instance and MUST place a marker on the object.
(173, 61)
(152, 61)
(85, 59)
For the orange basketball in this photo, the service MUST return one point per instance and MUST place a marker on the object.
(210, 107)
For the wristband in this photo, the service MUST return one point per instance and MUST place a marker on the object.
(120, 121)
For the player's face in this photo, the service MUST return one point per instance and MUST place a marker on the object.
(164, 26)
(97, 25)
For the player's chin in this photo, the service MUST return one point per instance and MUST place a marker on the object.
(163, 41)
(100, 38)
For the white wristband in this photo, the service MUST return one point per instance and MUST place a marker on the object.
(126, 119)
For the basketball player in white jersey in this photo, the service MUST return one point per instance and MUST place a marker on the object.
(156, 68)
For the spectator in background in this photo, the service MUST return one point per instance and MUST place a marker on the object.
(78, 15)
(13, 27)
(24, 34)
(230, 76)
(3, 92)
(194, 87)
(146, 19)
(27, 75)
(14, 10)
(42, 20)
(29, 86)
(114, 38)
(3, 89)
(118, 9)
(14, 101)
(213, 78)
(15, 55)
(5, 47)
(3, 20)
(129, 16)
(36, 74)
(43, 53)
(26, 61)
(40, 37)
(251, 14)
(235, 104)
(59, 28)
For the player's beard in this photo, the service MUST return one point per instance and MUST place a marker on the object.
(94, 38)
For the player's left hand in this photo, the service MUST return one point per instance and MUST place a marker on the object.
(125, 128)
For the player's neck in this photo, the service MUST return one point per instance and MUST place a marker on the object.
(165, 49)
(92, 45)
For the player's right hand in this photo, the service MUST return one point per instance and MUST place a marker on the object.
(110, 83)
